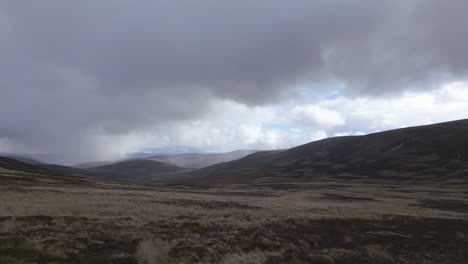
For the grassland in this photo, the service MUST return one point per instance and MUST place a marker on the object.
(49, 219)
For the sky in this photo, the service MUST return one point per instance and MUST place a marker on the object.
(94, 80)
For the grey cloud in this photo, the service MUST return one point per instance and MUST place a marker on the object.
(70, 67)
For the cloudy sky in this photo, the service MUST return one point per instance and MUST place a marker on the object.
(91, 80)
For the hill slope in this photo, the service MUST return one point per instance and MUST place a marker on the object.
(13, 171)
(200, 160)
(184, 160)
(93, 164)
(25, 160)
(10, 163)
(138, 169)
(424, 152)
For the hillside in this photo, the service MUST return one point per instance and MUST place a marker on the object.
(134, 170)
(92, 164)
(11, 163)
(131, 170)
(436, 151)
(13, 171)
(25, 159)
(67, 170)
(96, 221)
(200, 160)
(184, 160)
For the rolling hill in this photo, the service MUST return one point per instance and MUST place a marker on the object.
(438, 151)
(432, 152)
(22, 158)
(13, 171)
(92, 164)
(134, 170)
(184, 160)
(130, 170)
(200, 160)
(10, 163)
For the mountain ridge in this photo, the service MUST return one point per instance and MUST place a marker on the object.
(200, 160)
(134, 170)
(184, 160)
(429, 151)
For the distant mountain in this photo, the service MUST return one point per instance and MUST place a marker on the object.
(93, 164)
(142, 155)
(131, 170)
(438, 151)
(151, 168)
(134, 170)
(200, 160)
(184, 160)
(24, 159)
(162, 151)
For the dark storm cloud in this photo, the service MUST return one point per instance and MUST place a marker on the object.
(69, 68)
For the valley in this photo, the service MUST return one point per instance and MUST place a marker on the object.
(329, 221)
(234, 132)
(292, 206)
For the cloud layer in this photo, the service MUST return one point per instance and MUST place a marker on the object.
(78, 76)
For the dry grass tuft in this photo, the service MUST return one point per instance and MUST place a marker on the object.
(252, 257)
(154, 251)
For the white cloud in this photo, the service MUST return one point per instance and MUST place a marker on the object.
(230, 125)
(315, 116)
(369, 114)
(238, 125)
(348, 133)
